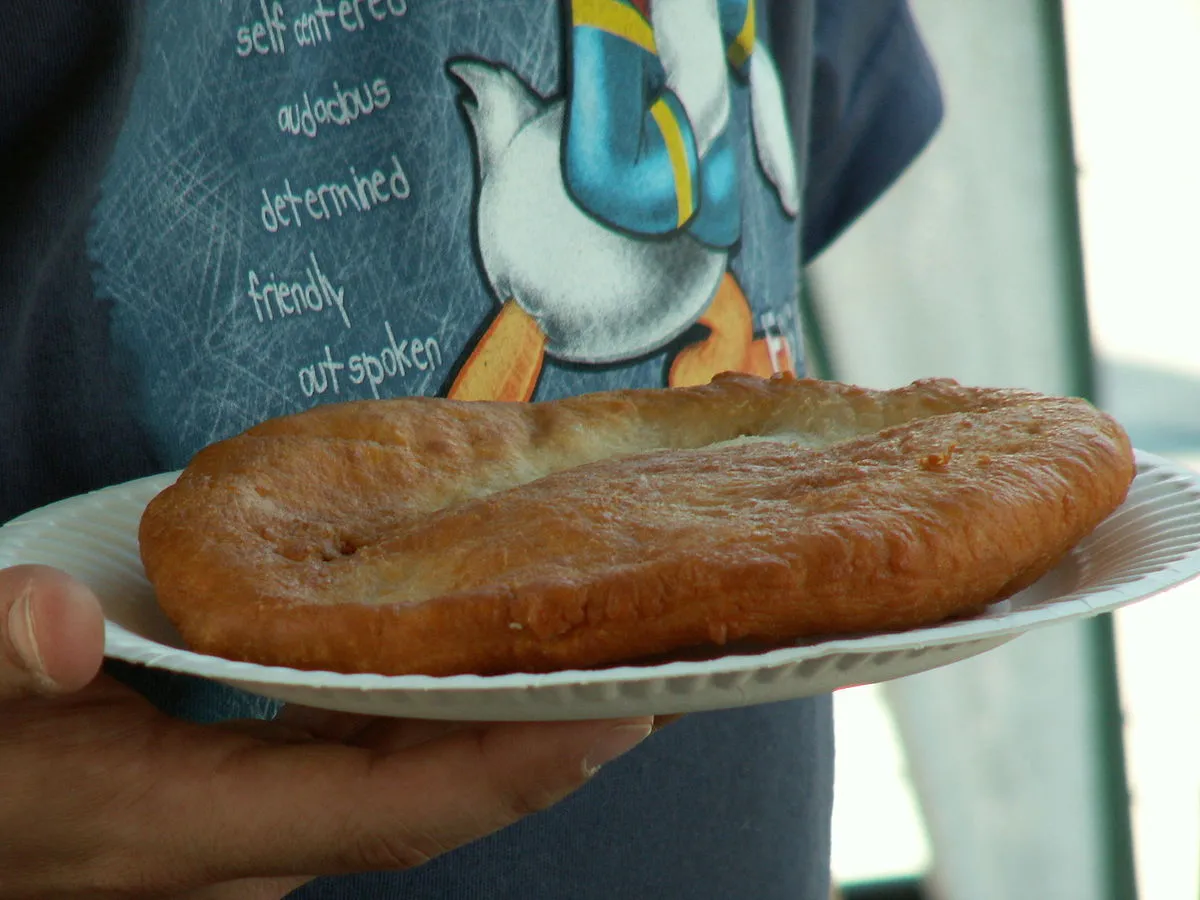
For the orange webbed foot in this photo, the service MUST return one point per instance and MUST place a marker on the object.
(507, 360)
(731, 345)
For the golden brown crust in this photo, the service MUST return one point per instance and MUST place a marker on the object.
(439, 537)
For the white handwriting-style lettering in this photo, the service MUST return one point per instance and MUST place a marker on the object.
(397, 358)
(343, 106)
(321, 202)
(264, 36)
(281, 298)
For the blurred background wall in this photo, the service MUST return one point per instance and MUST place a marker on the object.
(1046, 239)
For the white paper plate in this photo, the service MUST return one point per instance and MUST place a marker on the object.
(1150, 544)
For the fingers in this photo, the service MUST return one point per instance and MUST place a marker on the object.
(381, 735)
(51, 632)
(328, 809)
(296, 722)
(251, 889)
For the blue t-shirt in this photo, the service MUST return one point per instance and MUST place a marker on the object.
(321, 201)
(312, 201)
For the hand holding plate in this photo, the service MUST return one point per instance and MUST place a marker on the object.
(105, 796)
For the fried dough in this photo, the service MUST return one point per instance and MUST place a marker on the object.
(433, 536)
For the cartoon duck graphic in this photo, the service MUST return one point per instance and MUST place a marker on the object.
(606, 217)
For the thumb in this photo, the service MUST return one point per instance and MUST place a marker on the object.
(51, 632)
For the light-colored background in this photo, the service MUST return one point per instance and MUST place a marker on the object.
(982, 776)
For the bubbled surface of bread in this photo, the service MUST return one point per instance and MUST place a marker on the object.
(439, 537)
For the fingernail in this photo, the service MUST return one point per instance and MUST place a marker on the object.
(613, 743)
(24, 640)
